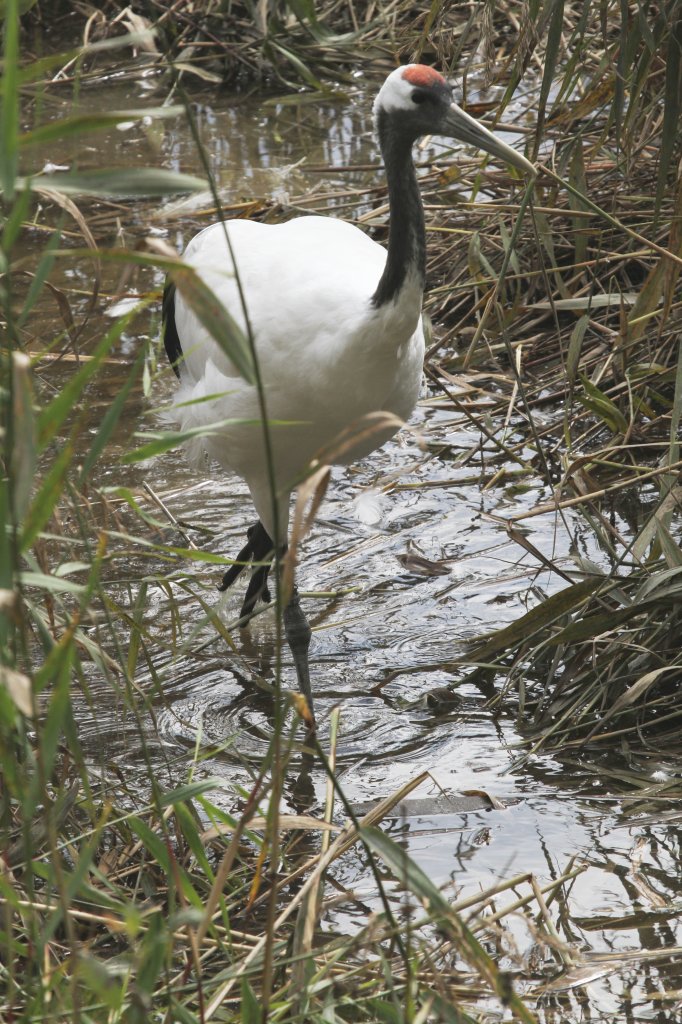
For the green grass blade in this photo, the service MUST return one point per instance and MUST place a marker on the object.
(190, 791)
(575, 348)
(9, 111)
(53, 415)
(220, 324)
(406, 871)
(554, 607)
(251, 1010)
(15, 219)
(602, 406)
(81, 124)
(47, 497)
(156, 846)
(24, 448)
(47, 260)
(672, 107)
(121, 182)
(110, 419)
(164, 441)
(556, 24)
(52, 584)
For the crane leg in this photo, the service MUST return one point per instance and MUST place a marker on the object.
(257, 588)
(258, 548)
(298, 634)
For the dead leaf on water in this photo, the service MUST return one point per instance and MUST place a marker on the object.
(18, 687)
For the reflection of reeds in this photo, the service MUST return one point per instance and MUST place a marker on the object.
(124, 894)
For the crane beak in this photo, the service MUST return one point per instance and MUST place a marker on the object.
(457, 124)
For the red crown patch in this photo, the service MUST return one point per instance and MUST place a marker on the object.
(422, 75)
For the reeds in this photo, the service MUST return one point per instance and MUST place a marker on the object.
(125, 899)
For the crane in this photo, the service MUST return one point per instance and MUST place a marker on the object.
(336, 324)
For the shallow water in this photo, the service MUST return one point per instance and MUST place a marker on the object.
(384, 633)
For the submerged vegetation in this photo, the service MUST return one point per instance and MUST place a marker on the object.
(556, 331)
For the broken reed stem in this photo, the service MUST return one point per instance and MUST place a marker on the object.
(581, 499)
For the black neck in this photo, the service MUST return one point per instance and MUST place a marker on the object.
(406, 234)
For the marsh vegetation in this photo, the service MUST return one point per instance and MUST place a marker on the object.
(511, 572)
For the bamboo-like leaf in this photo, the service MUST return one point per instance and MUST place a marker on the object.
(186, 817)
(647, 301)
(14, 219)
(9, 101)
(154, 951)
(406, 871)
(602, 406)
(591, 626)
(669, 546)
(583, 302)
(672, 270)
(505, 238)
(386, 1011)
(50, 583)
(676, 413)
(448, 1012)
(39, 279)
(301, 68)
(556, 24)
(152, 842)
(628, 35)
(59, 707)
(121, 182)
(666, 584)
(220, 324)
(80, 124)
(201, 72)
(111, 418)
(662, 515)
(47, 496)
(53, 415)
(137, 629)
(578, 179)
(632, 695)
(184, 793)
(180, 1014)
(672, 105)
(547, 612)
(575, 346)
(164, 441)
(251, 1011)
(23, 453)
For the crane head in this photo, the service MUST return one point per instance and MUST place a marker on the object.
(416, 100)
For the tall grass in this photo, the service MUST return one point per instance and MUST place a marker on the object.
(598, 662)
(129, 903)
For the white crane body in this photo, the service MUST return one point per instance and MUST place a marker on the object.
(327, 355)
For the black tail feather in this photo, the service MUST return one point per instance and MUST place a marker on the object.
(171, 339)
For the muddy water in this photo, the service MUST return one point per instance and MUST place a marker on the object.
(385, 628)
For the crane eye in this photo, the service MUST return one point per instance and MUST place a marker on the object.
(419, 96)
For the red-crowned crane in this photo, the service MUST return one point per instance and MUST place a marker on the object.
(336, 322)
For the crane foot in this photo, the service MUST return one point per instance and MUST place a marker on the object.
(258, 548)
